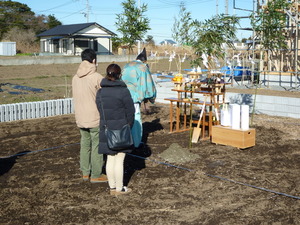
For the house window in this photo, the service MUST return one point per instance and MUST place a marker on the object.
(81, 43)
(56, 45)
(65, 45)
(95, 43)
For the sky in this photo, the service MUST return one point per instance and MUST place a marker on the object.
(160, 12)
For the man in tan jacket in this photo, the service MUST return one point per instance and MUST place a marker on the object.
(85, 85)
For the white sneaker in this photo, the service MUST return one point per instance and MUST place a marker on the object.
(124, 191)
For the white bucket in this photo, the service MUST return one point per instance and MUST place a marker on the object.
(235, 112)
(245, 117)
(225, 116)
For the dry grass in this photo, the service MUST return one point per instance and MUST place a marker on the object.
(56, 79)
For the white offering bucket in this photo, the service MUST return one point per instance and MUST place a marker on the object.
(235, 112)
(225, 116)
(245, 117)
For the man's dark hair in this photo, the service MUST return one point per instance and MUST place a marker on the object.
(88, 55)
(113, 72)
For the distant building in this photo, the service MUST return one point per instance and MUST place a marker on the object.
(74, 38)
(8, 48)
(168, 42)
(237, 46)
(240, 45)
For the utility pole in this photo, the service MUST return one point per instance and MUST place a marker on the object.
(253, 41)
(87, 11)
(226, 7)
(139, 41)
(217, 7)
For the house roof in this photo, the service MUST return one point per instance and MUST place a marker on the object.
(67, 30)
(169, 41)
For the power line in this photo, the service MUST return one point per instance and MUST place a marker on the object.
(72, 14)
(59, 6)
(176, 4)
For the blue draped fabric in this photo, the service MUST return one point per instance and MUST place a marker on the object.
(138, 79)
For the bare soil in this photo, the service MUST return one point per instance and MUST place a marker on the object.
(173, 181)
(43, 184)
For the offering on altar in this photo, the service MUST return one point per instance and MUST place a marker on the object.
(178, 78)
(194, 75)
(178, 81)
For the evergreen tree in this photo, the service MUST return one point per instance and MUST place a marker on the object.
(14, 14)
(268, 24)
(182, 27)
(53, 22)
(132, 23)
(18, 15)
(209, 36)
(149, 40)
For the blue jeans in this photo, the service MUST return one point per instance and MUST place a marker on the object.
(91, 162)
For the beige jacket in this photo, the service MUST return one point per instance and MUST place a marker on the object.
(85, 85)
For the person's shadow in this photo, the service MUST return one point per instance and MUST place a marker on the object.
(7, 163)
(136, 159)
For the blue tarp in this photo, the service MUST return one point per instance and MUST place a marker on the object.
(237, 70)
(17, 93)
(170, 76)
(189, 70)
(225, 70)
(162, 75)
(25, 88)
(164, 80)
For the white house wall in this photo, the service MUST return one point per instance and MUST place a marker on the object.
(48, 46)
(102, 37)
(104, 45)
(44, 45)
(92, 31)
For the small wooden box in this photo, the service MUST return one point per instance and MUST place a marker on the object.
(236, 138)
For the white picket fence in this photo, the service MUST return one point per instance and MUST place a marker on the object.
(33, 110)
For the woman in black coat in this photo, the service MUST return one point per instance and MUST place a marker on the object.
(115, 101)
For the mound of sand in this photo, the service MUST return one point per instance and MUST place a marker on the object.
(176, 154)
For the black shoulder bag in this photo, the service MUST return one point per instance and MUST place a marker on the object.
(118, 139)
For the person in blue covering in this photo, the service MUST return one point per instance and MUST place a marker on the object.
(138, 79)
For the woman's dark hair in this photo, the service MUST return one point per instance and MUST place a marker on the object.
(113, 72)
(89, 55)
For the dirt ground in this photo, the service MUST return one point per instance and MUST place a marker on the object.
(172, 181)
